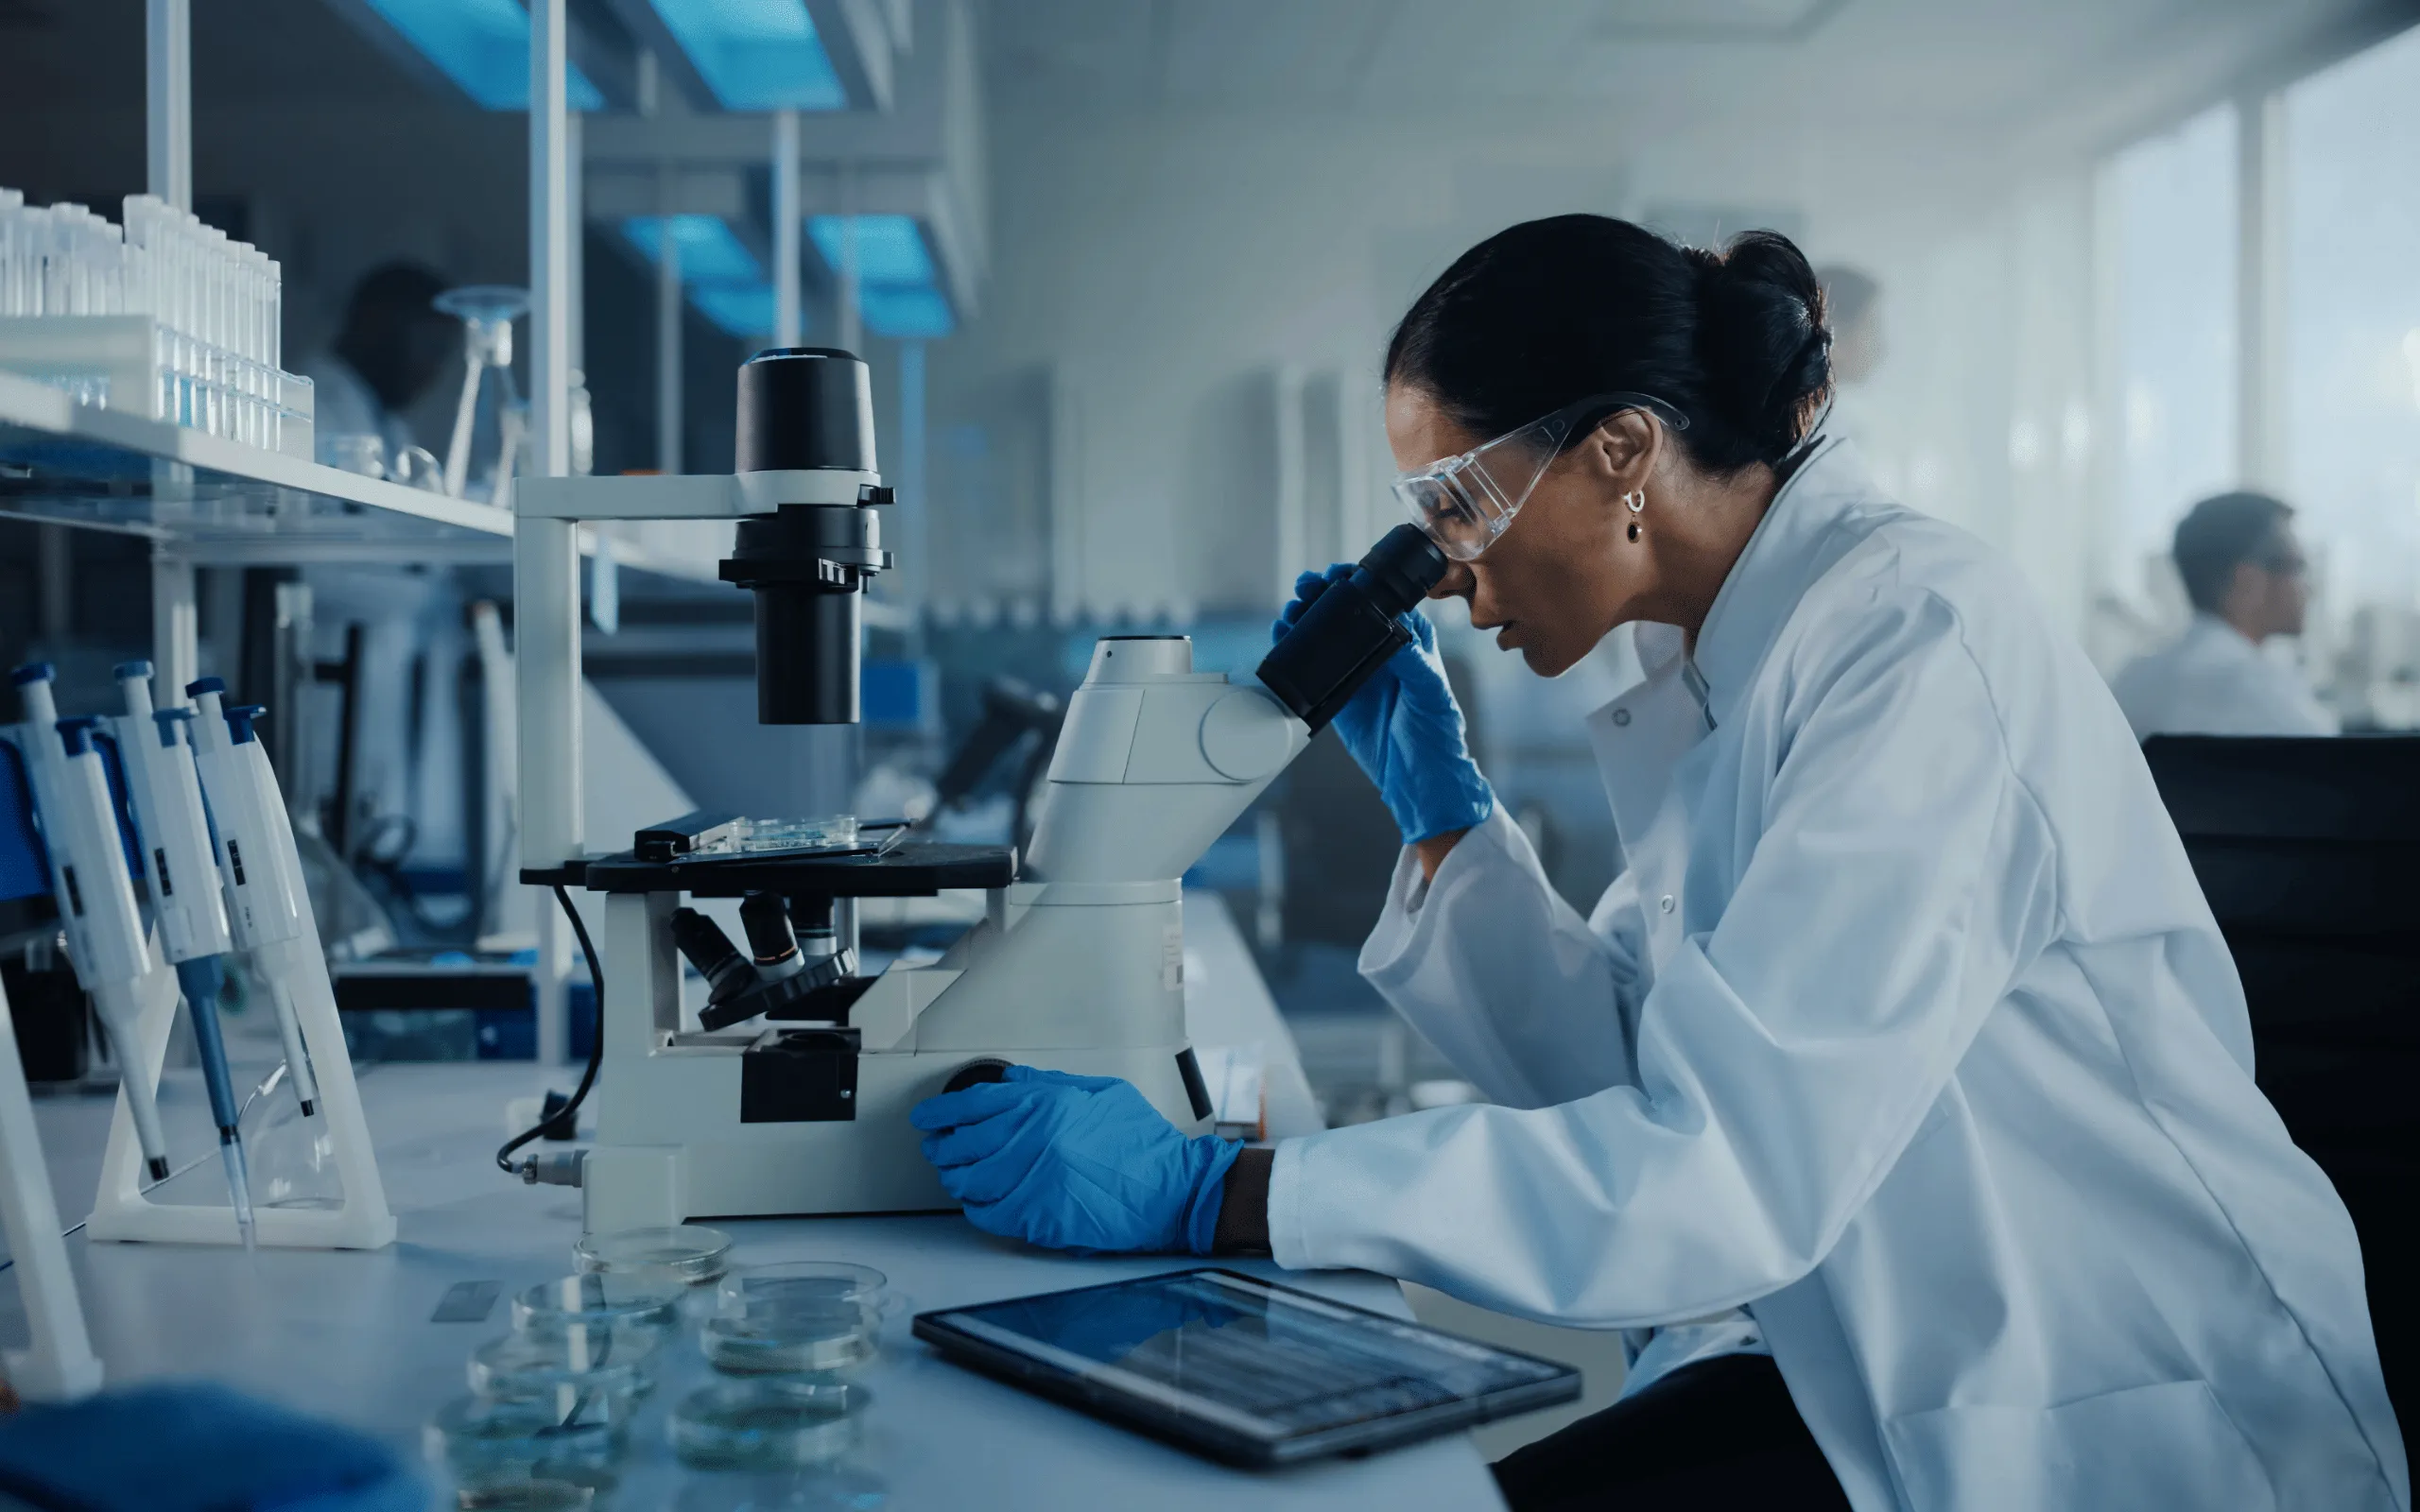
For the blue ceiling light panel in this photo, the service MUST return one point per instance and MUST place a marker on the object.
(482, 45)
(741, 310)
(721, 275)
(906, 313)
(899, 293)
(755, 55)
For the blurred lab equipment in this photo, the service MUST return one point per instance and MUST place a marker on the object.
(364, 454)
(164, 316)
(1015, 718)
(486, 312)
(1080, 967)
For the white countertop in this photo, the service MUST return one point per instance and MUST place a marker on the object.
(348, 1334)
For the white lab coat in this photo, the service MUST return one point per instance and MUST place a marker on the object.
(1909, 1029)
(2213, 681)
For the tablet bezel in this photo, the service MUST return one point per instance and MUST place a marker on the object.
(1218, 1434)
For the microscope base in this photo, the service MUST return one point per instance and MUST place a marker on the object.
(870, 1163)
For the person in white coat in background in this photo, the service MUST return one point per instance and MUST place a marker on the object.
(2247, 580)
(1906, 1029)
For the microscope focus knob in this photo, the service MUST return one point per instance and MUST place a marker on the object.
(990, 1067)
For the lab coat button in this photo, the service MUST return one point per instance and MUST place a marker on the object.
(1665, 902)
(1621, 717)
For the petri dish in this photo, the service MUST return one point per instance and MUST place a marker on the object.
(825, 1339)
(689, 1253)
(482, 1439)
(538, 1367)
(525, 1495)
(811, 1283)
(598, 1300)
(768, 1424)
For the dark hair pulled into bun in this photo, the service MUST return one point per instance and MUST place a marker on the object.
(1549, 312)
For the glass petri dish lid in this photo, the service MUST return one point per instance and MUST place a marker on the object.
(768, 1424)
(524, 1494)
(825, 1339)
(538, 1367)
(482, 1438)
(818, 1285)
(690, 1253)
(596, 1300)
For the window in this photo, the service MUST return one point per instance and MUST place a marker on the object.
(2352, 321)
(2170, 206)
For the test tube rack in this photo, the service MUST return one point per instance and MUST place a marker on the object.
(58, 1362)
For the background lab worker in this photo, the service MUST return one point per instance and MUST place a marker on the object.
(2248, 581)
(1907, 1027)
(391, 348)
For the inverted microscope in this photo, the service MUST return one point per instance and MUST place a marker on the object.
(786, 1090)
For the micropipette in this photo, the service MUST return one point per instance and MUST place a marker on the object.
(94, 892)
(267, 904)
(165, 788)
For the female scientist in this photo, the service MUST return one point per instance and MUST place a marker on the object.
(1906, 1028)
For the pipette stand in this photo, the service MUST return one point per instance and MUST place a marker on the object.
(58, 1364)
(359, 1221)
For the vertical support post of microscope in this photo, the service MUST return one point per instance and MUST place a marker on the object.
(57, 1365)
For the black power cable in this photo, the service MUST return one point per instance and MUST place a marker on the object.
(566, 1118)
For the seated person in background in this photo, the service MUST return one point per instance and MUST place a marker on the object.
(2246, 578)
(392, 349)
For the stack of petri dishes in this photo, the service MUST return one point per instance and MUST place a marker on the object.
(548, 1416)
(790, 1340)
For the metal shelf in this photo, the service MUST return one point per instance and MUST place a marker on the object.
(213, 502)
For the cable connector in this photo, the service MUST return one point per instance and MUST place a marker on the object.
(554, 1168)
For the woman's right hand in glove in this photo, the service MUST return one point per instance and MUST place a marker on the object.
(1404, 728)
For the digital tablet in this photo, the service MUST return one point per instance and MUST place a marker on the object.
(1243, 1370)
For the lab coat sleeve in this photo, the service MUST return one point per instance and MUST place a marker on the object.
(1502, 975)
(1897, 876)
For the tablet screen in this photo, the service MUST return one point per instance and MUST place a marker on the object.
(1263, 1360)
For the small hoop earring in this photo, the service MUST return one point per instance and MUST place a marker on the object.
(1636, 500)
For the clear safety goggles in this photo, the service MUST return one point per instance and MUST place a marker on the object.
(1465, 501)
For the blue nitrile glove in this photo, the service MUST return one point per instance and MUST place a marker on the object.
(1075, 1162)
(1404, 728)
(192, 1446)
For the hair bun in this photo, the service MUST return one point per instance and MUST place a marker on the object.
(1763, 338)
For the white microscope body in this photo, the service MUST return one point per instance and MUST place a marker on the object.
(1082, 971)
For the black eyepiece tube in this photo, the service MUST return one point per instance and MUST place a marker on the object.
(1348, 632)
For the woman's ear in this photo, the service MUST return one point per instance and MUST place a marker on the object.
(1622, 450)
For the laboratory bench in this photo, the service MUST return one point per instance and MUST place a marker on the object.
(350, 1336)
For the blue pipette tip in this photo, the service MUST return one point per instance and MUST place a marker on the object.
(130, 669)
(32, 672)
(77, 733)
(202, 685)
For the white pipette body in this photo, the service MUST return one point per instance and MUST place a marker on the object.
(258, 862)
(105, 940)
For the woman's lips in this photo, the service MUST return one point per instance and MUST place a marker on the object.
(1504, 638)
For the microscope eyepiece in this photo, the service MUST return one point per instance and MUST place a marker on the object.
(1348, 632)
